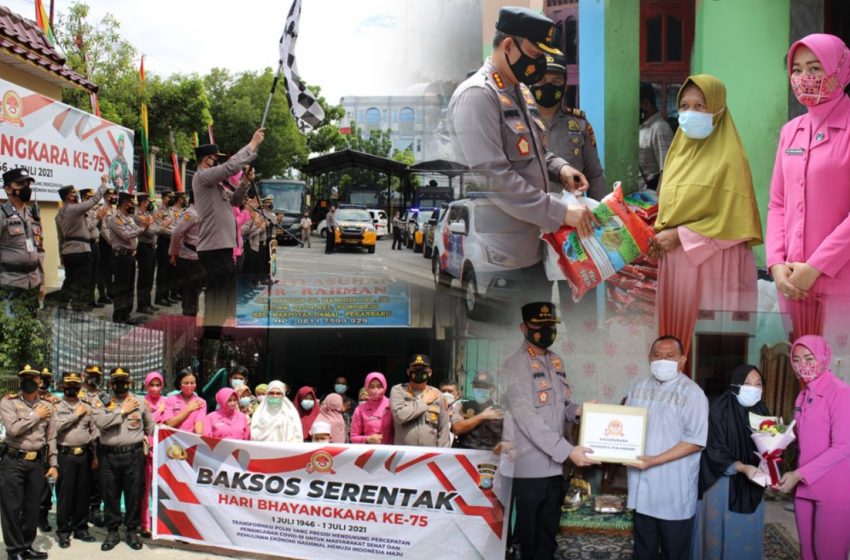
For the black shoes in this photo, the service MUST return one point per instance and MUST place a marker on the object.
(112, 540)
(64, 541)
(133, 540)
(31, 554)
(44, 526)
(84, 536)
(96, 518)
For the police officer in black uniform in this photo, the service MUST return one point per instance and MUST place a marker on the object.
(477, 422)
(30, 440)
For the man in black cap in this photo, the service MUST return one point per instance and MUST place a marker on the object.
(31, 442)
(217, 235)
(125, 237)
(145, 254)
(420, 414)
(538, 401)
(124, 425)
(105, 285)
(75, 438)
(496, 130)
(21, 276)
(477, 422)
(75, 243)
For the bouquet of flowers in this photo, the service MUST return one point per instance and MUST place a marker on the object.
(771, 436)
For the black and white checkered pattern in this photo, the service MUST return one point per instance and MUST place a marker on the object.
(302, 103)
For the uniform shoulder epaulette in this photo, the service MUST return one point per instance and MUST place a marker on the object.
(52, 399)
(497, 79)
(11, 396)
(575, 112)
(531, 352)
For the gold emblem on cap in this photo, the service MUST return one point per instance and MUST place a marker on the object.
(419, 360)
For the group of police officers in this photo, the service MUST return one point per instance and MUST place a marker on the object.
(92, 446)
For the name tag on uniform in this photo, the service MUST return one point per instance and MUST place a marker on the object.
(30, 246)
(795, 151)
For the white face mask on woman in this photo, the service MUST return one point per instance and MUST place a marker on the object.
(696, 124)
(664, 370)
(748, 395)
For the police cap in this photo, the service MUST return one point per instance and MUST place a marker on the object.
(29, 371)
(124, 197)
(71, 377)
(46, 374)
(119, 373)
(420, 360)
(142, 197)
(66, 190)
(205, 150)
(483, 379)
(528, 24)
(18, 175)
(539, 313)
(556, 63)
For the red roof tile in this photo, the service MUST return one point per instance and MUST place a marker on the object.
(23, 39)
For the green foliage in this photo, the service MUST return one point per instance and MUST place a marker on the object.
(23, 337)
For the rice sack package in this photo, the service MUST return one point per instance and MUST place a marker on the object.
(620, 238)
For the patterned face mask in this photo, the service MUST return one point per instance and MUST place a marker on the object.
(808, 372)
(811, 90)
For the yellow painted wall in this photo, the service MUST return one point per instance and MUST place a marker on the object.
(13, 74)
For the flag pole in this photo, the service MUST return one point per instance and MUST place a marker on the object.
(271, 94)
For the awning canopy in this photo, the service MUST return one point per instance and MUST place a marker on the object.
(345, 159)
(443, 166)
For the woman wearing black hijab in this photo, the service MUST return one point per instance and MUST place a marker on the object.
(730, 515)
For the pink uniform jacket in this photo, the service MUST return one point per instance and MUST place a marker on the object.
(175, 404)
(808, 217)
(822, 412)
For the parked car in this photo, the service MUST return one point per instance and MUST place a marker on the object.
(468, 247)
(417, 228)
(438, 215)
(407, 217)
(379, 219)
(354, 228)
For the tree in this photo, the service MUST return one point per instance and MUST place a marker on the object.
(236, 105)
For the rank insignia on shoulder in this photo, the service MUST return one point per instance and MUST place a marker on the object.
(530, 351)
(576, 112)
(497, 78)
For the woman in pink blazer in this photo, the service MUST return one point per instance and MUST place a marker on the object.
(808, 219)
(822, 478)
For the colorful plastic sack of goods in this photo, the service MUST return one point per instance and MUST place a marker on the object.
(620, 238)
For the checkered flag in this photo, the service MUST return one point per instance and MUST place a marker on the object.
(303, 105)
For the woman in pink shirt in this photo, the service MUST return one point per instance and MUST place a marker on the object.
(185, 410)
(373, 422)
(808, 218)
(228, 422)
(156, 404)
(822, 478)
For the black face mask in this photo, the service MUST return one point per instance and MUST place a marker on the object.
(419, 375)
(547, 95)
(542, 337)
(23, 194)
(29, 385)
(111, 200)
(170, 202)
(120, 388)
(72, 392)
(93, 381)
(131, 210)
(45, 385)
(526, 69)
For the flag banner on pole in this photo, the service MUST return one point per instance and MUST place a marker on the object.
(320, 501)
(43, 22)
(145, 136)
(302, 103)
(175, 163)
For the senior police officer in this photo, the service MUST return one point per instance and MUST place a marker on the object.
(569, 135)
(183, 254)
(125, 237)
(420, 415)
(75, 438)
(537, 399)
(123, 425)
(218, 233)
(477, 422)
(31, 440)
(21, 275)
(75, 242)
(145, 254)
(497, 131)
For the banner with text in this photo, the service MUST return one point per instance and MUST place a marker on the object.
(315, 501)
(327, 301)
(59, 144)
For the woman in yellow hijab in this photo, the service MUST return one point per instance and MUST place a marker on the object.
(708, 220)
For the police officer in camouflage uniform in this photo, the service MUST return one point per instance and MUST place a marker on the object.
(75, 438)
(31, 441)
(125, 237)
(21, 276)
(537, 399)
(569, 134)
(496, 129)
(477, 422)
(145, 254)
(123, 426)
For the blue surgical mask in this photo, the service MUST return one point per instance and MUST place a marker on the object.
(236, 383)
(696, 124)
(748, 395)
(481, 396)
(308, 404)
(340, 388)
(244, 401)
